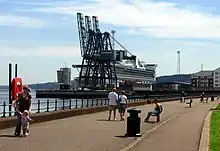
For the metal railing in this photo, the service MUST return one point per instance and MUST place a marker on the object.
(58, 104)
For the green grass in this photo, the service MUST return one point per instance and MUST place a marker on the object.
(215, 131)
(218, 107)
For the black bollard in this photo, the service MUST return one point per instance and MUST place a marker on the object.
(133, 123)
(10, 88)
(16, 70)
(212, 98)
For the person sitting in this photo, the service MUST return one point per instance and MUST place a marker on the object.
(156, 112)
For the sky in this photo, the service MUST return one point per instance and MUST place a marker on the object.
(41, 35)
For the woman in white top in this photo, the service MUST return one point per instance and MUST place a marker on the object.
(123, 103)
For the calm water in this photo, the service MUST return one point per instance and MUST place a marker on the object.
(43, 105)
(4, 95)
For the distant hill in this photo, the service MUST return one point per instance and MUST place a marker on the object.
(3, 87)
(48, 85)
(183, 78)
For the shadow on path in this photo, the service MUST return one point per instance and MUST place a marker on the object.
(105, 120)
(11, 136)
(151, 122)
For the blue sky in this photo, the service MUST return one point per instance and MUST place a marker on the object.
(41, 35)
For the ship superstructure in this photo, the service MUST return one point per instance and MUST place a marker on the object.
(105, 67)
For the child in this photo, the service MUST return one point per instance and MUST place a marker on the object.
(25, 119)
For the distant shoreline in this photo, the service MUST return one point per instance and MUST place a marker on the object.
(48, 85)
(3, 89)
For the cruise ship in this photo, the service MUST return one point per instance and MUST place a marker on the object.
(138, 76)
(131, 75)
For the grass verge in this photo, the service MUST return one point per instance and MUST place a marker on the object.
(218, 107)
(215, 131)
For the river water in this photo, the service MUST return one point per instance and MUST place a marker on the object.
(73, 103)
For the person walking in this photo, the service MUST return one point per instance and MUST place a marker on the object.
(182, 97)
(123, 104)
(202, 97)
(113, 99)
(22, 103)
(25, 119)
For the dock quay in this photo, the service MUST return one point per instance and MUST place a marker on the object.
(104, 93)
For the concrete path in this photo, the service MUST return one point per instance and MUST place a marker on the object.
(179, 134)
(93, 133)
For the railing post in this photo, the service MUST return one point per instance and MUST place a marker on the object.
(70, 104)
(129, 100)
(55, 105)
(101, 102)
(63, 107)
(10, 106)
(76, 103)
(38, 106)
(106, 101)
(97, 102)
(4, 110)
(87, 102)
(82, 104)
(47, 106)
(92, 102)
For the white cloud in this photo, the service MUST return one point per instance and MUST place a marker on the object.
(159, 19)
(42, 51)
(8, 20)
(31, 3)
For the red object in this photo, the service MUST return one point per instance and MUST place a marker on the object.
(16, 88)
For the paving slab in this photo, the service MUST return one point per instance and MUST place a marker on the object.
(179, 134)
(93, 133)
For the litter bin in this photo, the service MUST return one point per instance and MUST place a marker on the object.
(212, 98)
(133, 123)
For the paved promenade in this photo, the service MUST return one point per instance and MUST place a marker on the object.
(179, 134)
(93, 133)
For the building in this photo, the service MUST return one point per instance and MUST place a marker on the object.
(64, 77)
(216, 79)
(202, 80)
(173, 82)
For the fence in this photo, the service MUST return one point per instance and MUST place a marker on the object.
(57, 104)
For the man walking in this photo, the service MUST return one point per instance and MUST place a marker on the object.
(113, 99)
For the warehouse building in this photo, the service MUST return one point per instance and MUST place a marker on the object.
(202, 80)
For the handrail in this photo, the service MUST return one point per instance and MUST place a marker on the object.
(61, 104)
